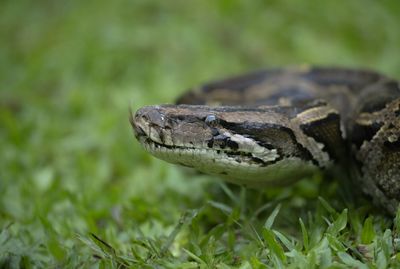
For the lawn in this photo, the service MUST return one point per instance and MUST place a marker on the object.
(77, 190)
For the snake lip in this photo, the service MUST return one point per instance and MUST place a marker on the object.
(138, 131)
(147, 140)
(149, 143)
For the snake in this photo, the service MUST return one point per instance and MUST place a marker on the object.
(275, 126)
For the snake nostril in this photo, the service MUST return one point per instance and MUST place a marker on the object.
(144, 118)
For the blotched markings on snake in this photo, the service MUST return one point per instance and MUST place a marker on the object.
(273, 127)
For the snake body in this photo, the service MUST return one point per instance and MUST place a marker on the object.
(275, 126)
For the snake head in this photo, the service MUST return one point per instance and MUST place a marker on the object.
(245, 145)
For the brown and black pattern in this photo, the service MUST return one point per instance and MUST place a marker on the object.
(315, 117)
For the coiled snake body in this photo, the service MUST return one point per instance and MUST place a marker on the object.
(275, 126)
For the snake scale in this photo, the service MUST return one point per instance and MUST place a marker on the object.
(272, 127)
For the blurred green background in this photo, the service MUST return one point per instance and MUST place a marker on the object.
(70, 71)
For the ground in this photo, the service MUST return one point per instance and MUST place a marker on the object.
(76, 189)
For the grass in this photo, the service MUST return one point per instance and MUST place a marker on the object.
(76, 189)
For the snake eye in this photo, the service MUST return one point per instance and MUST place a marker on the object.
(211, 120)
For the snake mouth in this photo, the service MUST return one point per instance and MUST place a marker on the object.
(241, 158)
(146, 141)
